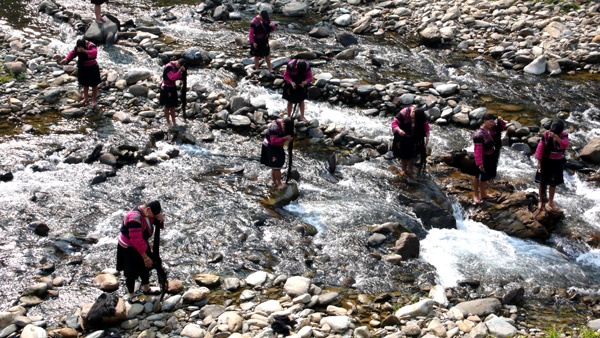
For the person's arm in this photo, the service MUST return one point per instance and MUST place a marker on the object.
(564, 141)
(251, 37)
(478, 151)
(502, 123)
(72, 54)
(426, 127)
(277, 140)
(539, 151)
(92, 53)
(395, 126)
(174, 76)
(309, 76)
(286, 75)
(272, 26)
(136, 238)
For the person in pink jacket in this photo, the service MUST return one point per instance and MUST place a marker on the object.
(133, 251)
(87, 68)
(550, 155)
(484, 141)
(172, 72)
(260, 30)
(297, 76)
(272, 154)
(411, 136)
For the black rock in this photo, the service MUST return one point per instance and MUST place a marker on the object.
(174, 152)
(98, 179)
(383, 298)
(95, 155)
(346, 39)
(377, 62)
(513, 297)
(40, 228)
(6, 176)
(469, 282)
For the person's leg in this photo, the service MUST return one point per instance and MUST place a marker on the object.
(98, 13)
(167, 116)
(404, 166)
(482, 187)
(268, 61)
(551, 204)
(541, 201)
(277, 173)
(145, 277)
(302, 111)
(289, 109)
(476, 196)
(173, 116)
(86, 94)
(273, 177)
(256, 61)
(130, 283)
(94, 96)
(409, 166)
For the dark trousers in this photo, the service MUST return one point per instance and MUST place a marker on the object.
(131, 263)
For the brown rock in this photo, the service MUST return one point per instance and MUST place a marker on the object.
(596, 39)
(195, 294)
(591, 152)
(175, 287)
(407, 246)
(206, 279)
(106, 282)
(68, 332)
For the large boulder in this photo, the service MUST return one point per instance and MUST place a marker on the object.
(239, 121)
(346, 39)
(296, 286)
(447, 89)
(431, 35)
(196, 57)
(337, 323)
(479, 307)
(294, 9)
(8, 316)
(15, 67)
(421, 308)
(102, 33)
(554, 29)
(137, 75)
(106, 282)
(430, 204)
(537, 66)
(407, 246)
(591, 152)
(139, 90)
(32, 331)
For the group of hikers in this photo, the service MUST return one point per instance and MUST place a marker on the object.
(410, 129)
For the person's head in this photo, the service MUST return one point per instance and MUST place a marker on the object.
(301, 66)
(419, 116)
(288, 126)
(557, 127)
(180, 63)
(264, 15)
(151, 209)
(488, 120)
(82, 43)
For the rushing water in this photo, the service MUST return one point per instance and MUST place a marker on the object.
(212, 209)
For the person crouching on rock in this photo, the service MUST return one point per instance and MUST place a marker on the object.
(133, 251)
(260, 30)
(172, 72)
(297, 76)
(550, 155)
(485, 160)
(273, 155)
(411, 136)
(87, 68)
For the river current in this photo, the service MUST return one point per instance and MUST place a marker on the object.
(210, 208)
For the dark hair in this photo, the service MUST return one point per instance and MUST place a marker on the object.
(488, 116)
(301, 66)
(557, 127)
(419, 134)
(288, 125)
(82, 43)
(155, 207)
(182, 62)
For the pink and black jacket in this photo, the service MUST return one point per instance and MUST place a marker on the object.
(484, 141)
(557, 149)
(275, 135)
(85, 59)
(170, 75)
(404, 121)
(137, 229)
(292, 74)
(259, 32)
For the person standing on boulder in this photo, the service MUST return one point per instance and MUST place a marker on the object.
(260, 29)
(550, 155)
(273, 155)
(172, 72)
(411, 136)
(485, 161)
(133, 251)
(297, 76)
(87, 67)
(98, 11)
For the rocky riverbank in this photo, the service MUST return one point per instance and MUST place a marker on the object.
(252, 306)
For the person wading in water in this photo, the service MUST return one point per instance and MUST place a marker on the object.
(87, 67)
(133, 251)
(172, 72)
(411, 136)
(260, 30)
(273, 154)
(550, 155)
(297, 76)
(485, 160)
